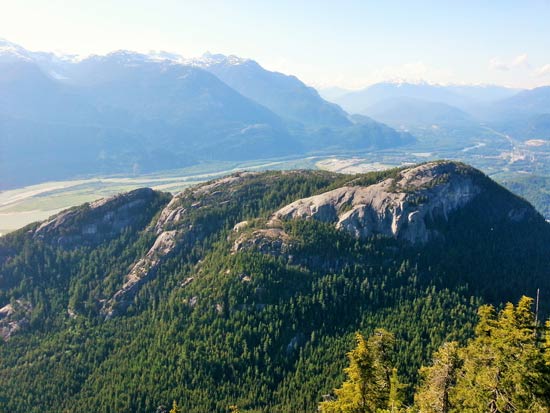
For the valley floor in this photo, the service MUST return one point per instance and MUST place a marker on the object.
(511, 162)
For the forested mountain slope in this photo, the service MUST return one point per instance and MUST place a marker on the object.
(247, 290)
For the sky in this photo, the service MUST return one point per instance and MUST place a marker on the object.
(345, 43)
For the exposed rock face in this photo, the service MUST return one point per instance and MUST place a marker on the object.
(222, 183)
(170, 215)
(97, 221)
(174, 229)
(273, 241)
(143, 270)
(89, 225)
(401, 208)
(170, 235)
(14, 317)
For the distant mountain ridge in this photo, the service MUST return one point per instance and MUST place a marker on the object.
(285, 95)
(415, 112)
(462, 96)
(533, 101)
(456, 111)
(482, 101)
(125, 112)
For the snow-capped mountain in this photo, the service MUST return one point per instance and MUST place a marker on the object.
(285, 95)
(11, 51)
(212, 59)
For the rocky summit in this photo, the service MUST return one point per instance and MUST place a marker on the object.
(98, 221)
(407, 206)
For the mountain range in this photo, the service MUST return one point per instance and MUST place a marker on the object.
(130, 113)
(285, 95)
(460, 96)
(247, 290)
(461, 110)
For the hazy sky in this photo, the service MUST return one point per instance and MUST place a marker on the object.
(348, 43)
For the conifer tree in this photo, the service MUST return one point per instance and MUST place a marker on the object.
(438, 380)
(175, 408)
(397, 396)
(503, 367)
(543, 386)
(369, 376)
